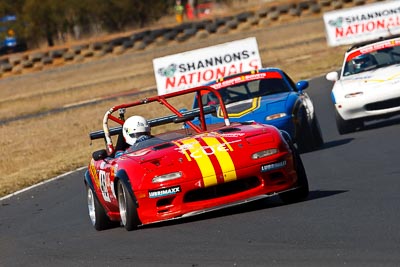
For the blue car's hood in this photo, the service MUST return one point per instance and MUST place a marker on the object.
(256, 109)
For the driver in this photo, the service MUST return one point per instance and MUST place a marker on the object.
(361, 62)
(136, 129)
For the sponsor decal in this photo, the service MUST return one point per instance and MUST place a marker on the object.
(373, 48)
(273, 166)
(193, 150)
(168, 71)
(254, 75)
(214, 147)
(189, 69)
(93, 173)
(233, 135)
(104, 182)
(164, 192)
(359, 24)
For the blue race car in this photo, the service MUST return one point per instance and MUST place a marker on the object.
(268, 96)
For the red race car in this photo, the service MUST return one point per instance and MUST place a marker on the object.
(184, 171)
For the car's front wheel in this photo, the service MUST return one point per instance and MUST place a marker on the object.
(301, 191)
(127, 208)
(304, 133)
(347, 126)
(98, 216)
(317, 133)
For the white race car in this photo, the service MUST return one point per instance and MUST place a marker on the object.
(368, 86)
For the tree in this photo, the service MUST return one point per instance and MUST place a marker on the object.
(48, 19)
(43, 18)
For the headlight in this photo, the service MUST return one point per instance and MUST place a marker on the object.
(264, 153)
(353, 94)
(167, 177)
(275, 116)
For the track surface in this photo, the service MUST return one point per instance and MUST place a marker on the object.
(351, 217)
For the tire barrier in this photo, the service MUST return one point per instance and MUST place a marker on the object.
(5, 66)
(170, 34)
(295, 11)
(58, 53)
(46, 60)
(337, 4)
(262, 17)
(359, 2)
(233, 24)
(243, 17)
(284, 9)
(212, 27)
(262, 13)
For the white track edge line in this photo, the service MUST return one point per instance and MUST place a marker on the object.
(41, 183)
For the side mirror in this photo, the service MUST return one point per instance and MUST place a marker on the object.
(332, 76)
(301, 85)
(99, 154)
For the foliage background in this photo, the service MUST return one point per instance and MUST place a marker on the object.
(50, 20)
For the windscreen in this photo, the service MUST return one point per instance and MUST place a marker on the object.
(246, 90)
(376, 59)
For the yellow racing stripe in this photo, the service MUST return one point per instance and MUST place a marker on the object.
(183, 151)
(203, 161)
(255, 104)
(223, 157)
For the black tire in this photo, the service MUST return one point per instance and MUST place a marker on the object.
(97, 215)
(318, 140)
(346, 126)
(127, 208)
(212, 28)
(302, 190)
(304, 133)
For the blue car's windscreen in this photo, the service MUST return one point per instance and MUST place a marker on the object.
(246, 90)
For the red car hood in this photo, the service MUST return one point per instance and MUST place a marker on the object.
(205, 156)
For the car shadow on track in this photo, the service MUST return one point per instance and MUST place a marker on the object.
(262, 204)
(331, 144)
(380, 124)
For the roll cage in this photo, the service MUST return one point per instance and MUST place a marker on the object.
(177, 116)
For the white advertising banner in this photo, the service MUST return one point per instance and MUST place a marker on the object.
(197, 67)
(358, 24)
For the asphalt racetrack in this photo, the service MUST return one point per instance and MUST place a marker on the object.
(351, 217)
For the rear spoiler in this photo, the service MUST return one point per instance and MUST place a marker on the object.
(187, 115)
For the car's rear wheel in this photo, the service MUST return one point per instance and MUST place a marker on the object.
(98, 216)
(347, 126)
(302, 190)
(127, 208)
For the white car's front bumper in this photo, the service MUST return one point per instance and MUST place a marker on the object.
(369, 105)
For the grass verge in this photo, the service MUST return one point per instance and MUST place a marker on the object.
(42, 147)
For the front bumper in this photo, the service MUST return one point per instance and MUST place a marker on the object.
(368, 107)
(192, 199)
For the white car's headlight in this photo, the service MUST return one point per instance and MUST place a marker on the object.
(167, 177)
(275, 116)
(354, 94)
(264, 153)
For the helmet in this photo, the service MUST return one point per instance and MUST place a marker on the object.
(134, 127)
(211, 99)
(361, 61)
